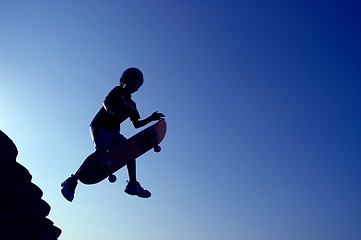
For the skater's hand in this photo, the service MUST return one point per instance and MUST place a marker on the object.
(157, 116)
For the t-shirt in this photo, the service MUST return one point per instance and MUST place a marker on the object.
(115, 99)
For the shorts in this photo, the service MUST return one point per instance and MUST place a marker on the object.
(105, 139)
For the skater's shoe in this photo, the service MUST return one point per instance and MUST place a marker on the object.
(134, 188)
(68, 188)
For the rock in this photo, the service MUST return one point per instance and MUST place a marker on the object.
(23, 212)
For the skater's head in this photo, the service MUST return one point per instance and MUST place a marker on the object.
(131, 80)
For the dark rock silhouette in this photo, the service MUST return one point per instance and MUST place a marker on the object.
(23, 213)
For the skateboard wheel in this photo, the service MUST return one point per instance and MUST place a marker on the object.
(157, 148)
(112, 178)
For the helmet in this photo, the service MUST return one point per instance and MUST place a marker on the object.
(132, 75)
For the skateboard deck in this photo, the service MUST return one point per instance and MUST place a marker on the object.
(101, 166)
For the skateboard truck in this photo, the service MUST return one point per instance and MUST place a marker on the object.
(112, 178)
(156, 147)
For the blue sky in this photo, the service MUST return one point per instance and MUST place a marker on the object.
(262, 102)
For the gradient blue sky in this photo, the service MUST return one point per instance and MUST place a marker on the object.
(262, 100)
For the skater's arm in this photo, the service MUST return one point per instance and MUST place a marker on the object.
(122, 106)
(137, 123)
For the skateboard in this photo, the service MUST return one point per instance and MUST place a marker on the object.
(101, 166)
